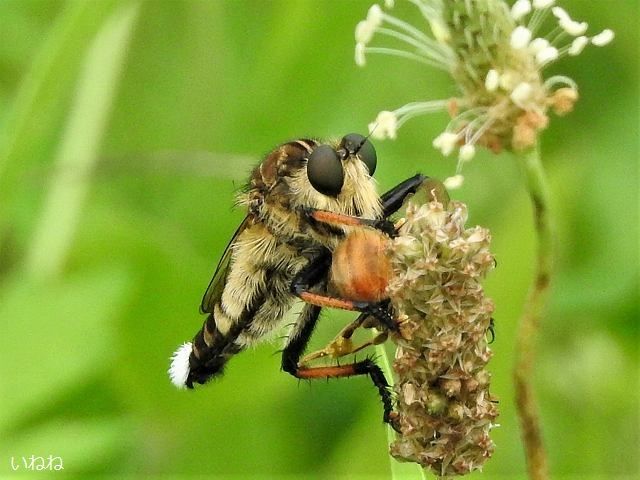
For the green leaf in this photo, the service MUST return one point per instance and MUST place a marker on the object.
(80, 144)
(38, 106)
(54, 335)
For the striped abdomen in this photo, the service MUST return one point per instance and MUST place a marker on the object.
(254, 299)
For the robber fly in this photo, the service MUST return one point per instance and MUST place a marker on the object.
(301, 201)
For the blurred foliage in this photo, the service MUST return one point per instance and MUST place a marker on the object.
(125, 130)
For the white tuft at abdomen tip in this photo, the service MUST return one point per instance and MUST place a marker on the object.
(179, 369)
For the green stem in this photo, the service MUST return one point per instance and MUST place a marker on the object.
(536, 183)
(399, 470)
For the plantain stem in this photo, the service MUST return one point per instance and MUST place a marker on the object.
(537, 186)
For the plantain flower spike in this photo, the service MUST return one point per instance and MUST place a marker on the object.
(444, 409)
(496, 55)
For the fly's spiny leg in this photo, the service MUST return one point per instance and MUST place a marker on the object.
(332, 219)
(365, 367)
(297, 344)
(299, 338)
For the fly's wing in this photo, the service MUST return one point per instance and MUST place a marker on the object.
(214, 290)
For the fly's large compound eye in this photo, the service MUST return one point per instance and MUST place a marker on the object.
(324, 170)
(354, 143)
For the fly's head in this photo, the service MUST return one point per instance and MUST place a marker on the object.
(338, 177)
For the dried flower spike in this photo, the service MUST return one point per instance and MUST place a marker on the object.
(445, 410)
(496, 55)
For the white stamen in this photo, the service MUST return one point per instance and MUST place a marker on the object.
(547, 55)
(364, 32)
(538, 44)
(375, 15)
(439, 30)
(508, 81)
(520, 37)
(603, 38)
(492, 80)
(521, 94)
(389, 3)
(454, 182)
(520, 9)
(542, 4)
(578, 45)
(466, 152)
(573, 28)
(179, 369)
(385, 126)
(361, 61)
(560, 13)
(560, 80)
(445, 142)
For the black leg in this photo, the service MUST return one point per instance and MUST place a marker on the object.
(381, 311)
(297, 344)
(492, 329)
(299, 338)
(393, 199)
(312, 273)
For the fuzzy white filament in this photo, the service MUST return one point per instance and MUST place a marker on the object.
(385, 125)
(522, 94)
(520, 37)
(360, 58)
(603, 38)
(453, 183)
(547, 55)
(520, 9)
(492, 80)
(179, 369)
(561, 14)
(364, 32)
(467, 152)
(375, 15)
(542, 4)
(578, 45)
(538, 44)
(573, 28)
(446, 142)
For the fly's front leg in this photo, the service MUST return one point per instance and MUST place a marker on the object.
(391, 201)
(316, 216)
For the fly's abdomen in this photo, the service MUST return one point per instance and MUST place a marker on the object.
(249, 309)
(211, 348)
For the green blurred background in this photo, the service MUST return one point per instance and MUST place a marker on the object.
(125, 130)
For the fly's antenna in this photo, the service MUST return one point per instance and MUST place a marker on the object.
(372, 129)
(364, 140)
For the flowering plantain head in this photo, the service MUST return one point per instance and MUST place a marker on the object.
(496, 55)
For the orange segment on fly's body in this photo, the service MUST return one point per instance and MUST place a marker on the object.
(360, 269)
